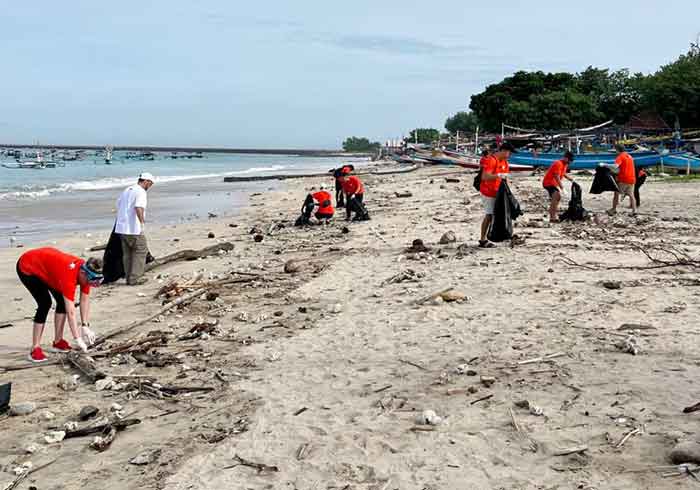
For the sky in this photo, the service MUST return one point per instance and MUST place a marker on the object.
(297, 74)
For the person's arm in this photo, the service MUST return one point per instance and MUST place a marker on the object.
(568, 177)
(73, 325)
(84, 308)
(141, 215)
(560, 186)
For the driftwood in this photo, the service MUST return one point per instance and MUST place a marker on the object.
(85, 365)
(21, 477)
(692, 408)
(432, 296)
(258, 466)
(673, 258)
(190, 254)
(532, 445)
(98, 429)
(98, 248)
(139, 345)
(570, 450)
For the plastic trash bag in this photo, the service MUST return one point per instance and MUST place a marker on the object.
(113, 264)
(506, 209)
(576, 211)
(5, 394)
(603, 181)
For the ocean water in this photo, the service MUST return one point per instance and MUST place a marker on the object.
(37, 205)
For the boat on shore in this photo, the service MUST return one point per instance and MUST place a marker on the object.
(687, 161)
(584, 161)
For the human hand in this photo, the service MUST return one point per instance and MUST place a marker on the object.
(88, 335)
(81, 344)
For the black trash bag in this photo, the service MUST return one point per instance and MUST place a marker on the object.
(306, 209)
(639, 183)
(112, 263)
(5, 395)
(477, 180)
(357, 207)
(576, 211)
(604, 181)
(505, 211)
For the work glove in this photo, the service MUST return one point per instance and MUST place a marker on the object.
(87, 335)
(81, 344)
(502, 176)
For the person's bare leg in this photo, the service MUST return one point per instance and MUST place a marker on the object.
(633, 202)
(37, 332)
(554, 207)
(616, 201)
(485, 226)
(60, 323)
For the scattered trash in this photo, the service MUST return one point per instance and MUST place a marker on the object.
(70, 426)
(31, 449)
(145, 458)
(22, 469)
(104, 384)
(629, 345)
(447, 238)
(5, 395)
(612, 284)
(258, 238)
(70, 383)
(462, 369)
(48, 415)
(88, 412)
(292, 266)
(54, 436)
(488, 381)
(428, 417)
(417, 246)
(454, 296)
(685, 452)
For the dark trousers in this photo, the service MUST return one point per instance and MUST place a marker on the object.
(42, 295)
(339, 196)
(637, 185)
(355, 204)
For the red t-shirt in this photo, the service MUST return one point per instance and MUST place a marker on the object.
(626, 164)
(483, 160)
(352, 185)
(320, 197)
(58, 270)
(557, 169)
(492, 165)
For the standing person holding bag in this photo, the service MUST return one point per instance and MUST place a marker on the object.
(131, 218)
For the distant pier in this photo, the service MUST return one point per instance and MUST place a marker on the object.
(199, 149)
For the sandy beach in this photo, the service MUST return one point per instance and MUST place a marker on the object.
(319, 376)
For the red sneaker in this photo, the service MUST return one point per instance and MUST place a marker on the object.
(60, 346)
(37, 355)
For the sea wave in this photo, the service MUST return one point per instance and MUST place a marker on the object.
(36, 192)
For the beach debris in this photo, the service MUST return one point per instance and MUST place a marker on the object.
(685, 452)
(88, 412)
(104, 384)
(115, 407)
(428, 417)
(258, 238)
(243, 316)
(570, 450)
(146, 457)
(431, 297)
(101, 427)
(293, 266)
(70, 425)
(531, 444)
(345, 230)
(692, 408)
(31, 449)
(85, 365)
(262, 468)
(612, 284)
(451, 180)
(402, 194)
(191, 254)
(22, 469)
(675, 308)
(211, 235)
(635, 327)
(448, 237)
(417, 246)
(337, 308)
(407, 275)
(454, 296)
(200, 329)
(46, 415)
(255, 230)
(6, 325)
(54, 436)
(102, 442)
(488, 381)
(629, 345)
(461, 369)
(483, 398)
(24, 408)
(70, 383)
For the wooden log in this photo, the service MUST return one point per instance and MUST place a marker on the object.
(117, 425)
(85, 365)
(190, 254)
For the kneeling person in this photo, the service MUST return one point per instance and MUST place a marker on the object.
(320, 199)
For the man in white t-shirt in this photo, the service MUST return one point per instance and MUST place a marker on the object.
(131, 218)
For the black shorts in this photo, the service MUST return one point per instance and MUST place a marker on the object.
(42, 295)
(551, 190)
(324, 215)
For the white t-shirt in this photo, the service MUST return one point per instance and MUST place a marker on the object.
(127, 222)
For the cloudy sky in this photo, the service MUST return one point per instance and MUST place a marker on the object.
(298, 73)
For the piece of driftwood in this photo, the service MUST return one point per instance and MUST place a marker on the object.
(631, 433)
(692, 408)
(532, 445)
(261, 467)
(570, 450)
(21, 477)
(190, 255)
(430, 297)
(6, 325)
(98, 248)
(403, 194)
(85, 365)
(102, 442)
(541, 359)
(98, 429)
(483, 398)
(139, 345)
(414, 364)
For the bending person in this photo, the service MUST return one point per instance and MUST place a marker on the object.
(553, 184)
(354, 197)
(47, 272)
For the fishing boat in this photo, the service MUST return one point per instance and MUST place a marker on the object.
(472, 161)
(584, 160)
(688, 161)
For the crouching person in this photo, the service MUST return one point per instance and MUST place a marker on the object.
(320, 200)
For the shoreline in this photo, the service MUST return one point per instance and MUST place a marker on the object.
(322, 372)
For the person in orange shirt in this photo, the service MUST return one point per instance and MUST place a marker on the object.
(553, 184)
(495, 168)
(354, 197)
(322, 199)
(47, 272)
(626, 179)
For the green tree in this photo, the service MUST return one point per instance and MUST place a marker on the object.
(424, 135)
(465, 122)
(674, 91)
(354, 144)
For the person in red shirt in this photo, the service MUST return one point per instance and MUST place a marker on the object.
(322, 199)
(354, 197)
(552, 182)
(495, 168)
(626, 179)
(47, 272)
(338, 174)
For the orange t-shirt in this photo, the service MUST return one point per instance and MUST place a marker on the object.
(483, 161)
(557, 169)
(492, 165)
(58, 270)
(320, 197)
(352, 185)
(627, 174)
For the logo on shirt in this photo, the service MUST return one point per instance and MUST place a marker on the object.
(71, 266)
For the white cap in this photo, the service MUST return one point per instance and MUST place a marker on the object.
(147, 176)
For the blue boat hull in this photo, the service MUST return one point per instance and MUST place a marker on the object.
(584, 160)
(682, 161)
